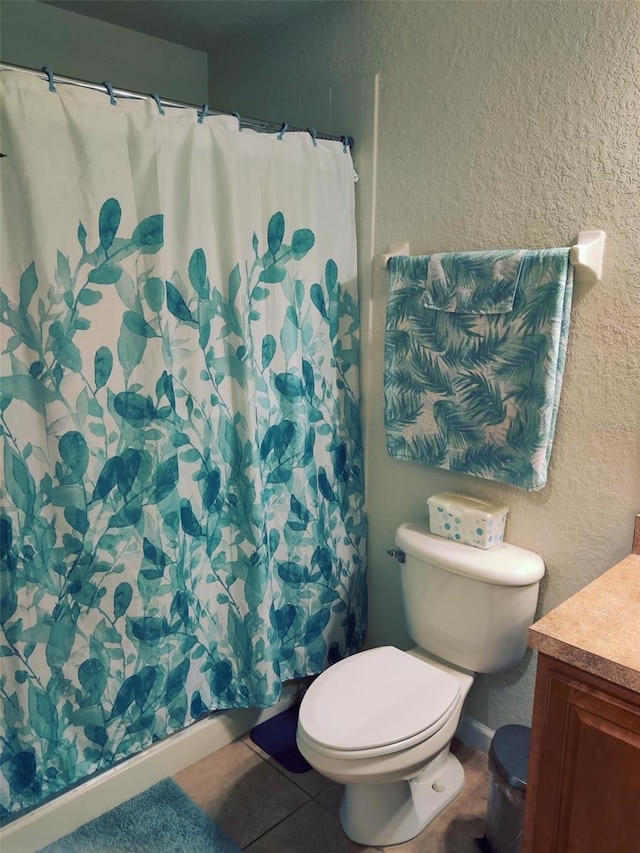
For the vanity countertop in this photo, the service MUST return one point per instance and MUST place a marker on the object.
(598, 628)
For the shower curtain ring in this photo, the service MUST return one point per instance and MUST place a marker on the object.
(49, 73)
(156, 98)
(345, 144)
(237, 115)
(108, 86)
(204, 112)
(313, 133)
(283, 130)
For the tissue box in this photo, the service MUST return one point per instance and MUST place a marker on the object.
(465, 519)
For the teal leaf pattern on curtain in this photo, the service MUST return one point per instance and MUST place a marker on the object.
(182, 523)
(475, 349)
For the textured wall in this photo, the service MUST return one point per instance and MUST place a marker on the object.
(500, 125)
(34, 35)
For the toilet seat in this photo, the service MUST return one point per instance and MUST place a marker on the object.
(377, 702)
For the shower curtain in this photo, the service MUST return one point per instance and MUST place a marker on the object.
(181, 517)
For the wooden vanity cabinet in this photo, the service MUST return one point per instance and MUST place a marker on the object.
(583, 789)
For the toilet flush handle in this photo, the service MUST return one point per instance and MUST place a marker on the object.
(398, 554)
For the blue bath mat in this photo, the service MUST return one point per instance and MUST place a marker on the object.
(160, 820)
(277, 737)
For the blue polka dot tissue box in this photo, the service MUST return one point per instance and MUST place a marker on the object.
(471, 521)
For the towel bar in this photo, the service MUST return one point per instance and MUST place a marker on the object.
(585, 256)
(394, 249)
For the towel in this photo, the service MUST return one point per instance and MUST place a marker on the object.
(475, 349)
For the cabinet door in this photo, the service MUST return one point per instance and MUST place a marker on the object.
(585, 764)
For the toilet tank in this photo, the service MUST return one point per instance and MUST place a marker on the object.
(467, 606)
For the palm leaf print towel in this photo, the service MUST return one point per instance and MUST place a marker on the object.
(474, 355)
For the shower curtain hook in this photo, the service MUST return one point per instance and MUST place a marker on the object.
(237, 115)
(345, 144)
(283, 130)
(204, 112)
(109, 87)
(156, 98)
(49, 73)
(313, 133)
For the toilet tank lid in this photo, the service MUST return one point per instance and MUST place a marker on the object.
(503, 565)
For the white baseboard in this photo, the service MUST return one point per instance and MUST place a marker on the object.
(74, 808)
(474, 734)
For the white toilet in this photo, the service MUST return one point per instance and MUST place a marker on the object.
(381, 722)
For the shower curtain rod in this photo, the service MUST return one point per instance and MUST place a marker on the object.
(244, 121)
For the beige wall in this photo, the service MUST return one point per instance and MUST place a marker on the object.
(500, 125)
(33, 34)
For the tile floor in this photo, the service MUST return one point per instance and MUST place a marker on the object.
(266, 809)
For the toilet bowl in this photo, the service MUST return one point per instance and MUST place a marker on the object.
(381, 723)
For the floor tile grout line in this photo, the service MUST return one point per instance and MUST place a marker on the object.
(275, 764)
(326, 808)
(301, 787)
(478, 772)
(272, 764)
(278, 823)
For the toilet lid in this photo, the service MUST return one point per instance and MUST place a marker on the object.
(375, 698)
